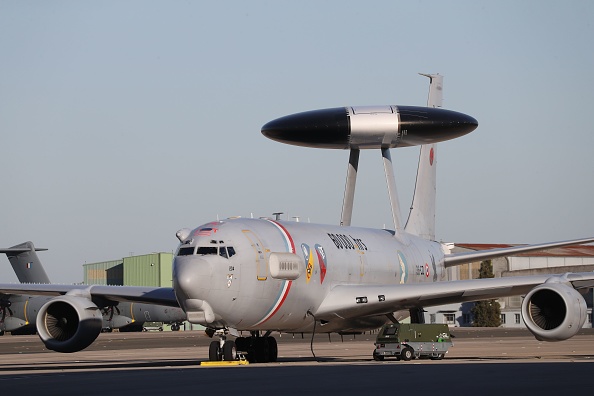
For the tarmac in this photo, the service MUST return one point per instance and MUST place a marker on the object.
(485, 361)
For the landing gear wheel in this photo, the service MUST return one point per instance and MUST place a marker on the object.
(407, 354)
(272, 349)
(261, 349)
(214, 352)
(229, 351)
(242, 344)
(378, 358)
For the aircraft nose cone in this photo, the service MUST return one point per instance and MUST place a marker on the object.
(424, 125)
(192, 277)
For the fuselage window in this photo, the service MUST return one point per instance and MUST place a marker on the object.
(223, 252)
(186, 251)
(205, 250)
(231, 251)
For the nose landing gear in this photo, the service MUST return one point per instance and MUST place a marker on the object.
(223, 349)
(256, 348)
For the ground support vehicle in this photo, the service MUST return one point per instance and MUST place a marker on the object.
(406, 341)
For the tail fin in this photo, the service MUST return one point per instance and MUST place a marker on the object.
(26, 264)
(421, 218)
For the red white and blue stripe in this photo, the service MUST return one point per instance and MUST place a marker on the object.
(286, 286)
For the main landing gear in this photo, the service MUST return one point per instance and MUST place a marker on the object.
(256, 348)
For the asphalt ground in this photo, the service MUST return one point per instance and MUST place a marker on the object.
(485, 361)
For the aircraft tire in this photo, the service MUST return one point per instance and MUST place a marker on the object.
(261, 349)
(272, 349)
(214, 352)
(407, 354)
(241, 344)
(229, 351)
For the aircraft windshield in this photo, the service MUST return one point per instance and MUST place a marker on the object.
(226, 252)
(205, 250)
(186, 251)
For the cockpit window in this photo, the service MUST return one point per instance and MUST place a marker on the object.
(231, 251)
(186, 251)
(223, 252)
(205, 250)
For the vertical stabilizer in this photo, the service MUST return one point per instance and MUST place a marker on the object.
(26, 264)
(421, 219)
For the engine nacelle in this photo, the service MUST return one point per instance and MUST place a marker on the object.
(554, 311)
(69, 323)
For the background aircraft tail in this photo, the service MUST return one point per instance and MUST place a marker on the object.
(26, 264)
(421, 218)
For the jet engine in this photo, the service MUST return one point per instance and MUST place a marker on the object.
(554, 311)
(69, 323)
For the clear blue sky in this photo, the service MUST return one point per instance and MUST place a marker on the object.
(122, 122)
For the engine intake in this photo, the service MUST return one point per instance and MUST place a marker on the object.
(69, 323)
(554, 311)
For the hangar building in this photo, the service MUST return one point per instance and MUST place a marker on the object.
(146, 270)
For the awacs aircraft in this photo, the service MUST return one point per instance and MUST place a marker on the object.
(264, 275)
(18, 313)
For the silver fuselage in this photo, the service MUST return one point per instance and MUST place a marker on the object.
(237, 290)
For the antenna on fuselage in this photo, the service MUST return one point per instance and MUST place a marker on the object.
(277, 215)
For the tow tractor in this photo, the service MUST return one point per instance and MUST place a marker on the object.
(405, 341)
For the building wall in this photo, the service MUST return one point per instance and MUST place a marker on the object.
(148, 270)
(104, 273)
(153, 269)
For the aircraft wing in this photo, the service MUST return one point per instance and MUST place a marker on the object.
(152, 295)
(452, 260)
(349, 301)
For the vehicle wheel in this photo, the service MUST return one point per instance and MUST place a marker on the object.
(214, 352)
(407, 354)
(378, 358)
(438, 357)
(229, 351)
(272, 349)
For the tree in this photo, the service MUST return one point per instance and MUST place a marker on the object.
(486, 313)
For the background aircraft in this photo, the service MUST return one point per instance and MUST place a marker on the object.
(262, 275)
(18, 313)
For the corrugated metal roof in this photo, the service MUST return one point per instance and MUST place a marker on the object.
(567, 251)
